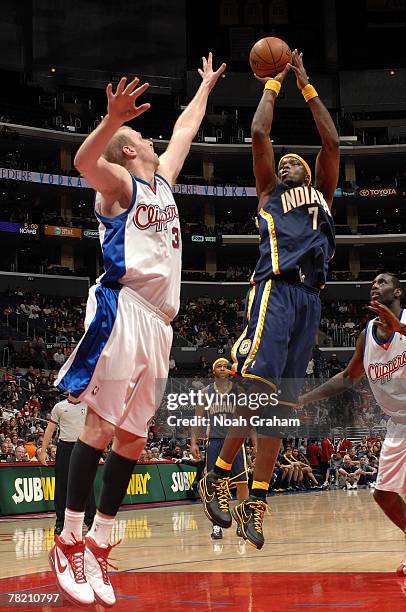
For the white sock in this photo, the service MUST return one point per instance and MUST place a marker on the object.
(73, 525)
(101, 530)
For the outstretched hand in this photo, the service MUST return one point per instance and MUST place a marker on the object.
(297, 66)
(210, 76)
(387, 321)
(121, 104)
(278, 77)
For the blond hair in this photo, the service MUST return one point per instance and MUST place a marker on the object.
(114, 151)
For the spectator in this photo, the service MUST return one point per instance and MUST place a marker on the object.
(343, 445)
(349, 474)
(367, 474)
(305, 468)
(30, 446)
(313, 454)
(336, 462)
(333, 365)
(310, 369)
(172, 366)
(21, 453)
(59, 358)
(327, 450)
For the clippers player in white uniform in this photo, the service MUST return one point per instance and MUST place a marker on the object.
(380, 354)
(120, 366)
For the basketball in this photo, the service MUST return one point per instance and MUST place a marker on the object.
(269, 56)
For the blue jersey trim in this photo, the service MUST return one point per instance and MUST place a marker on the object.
(78, 377)
(113, 246)
(107, 220)
(137, 178)
(164, 180)
(389, 340)
(365, 340)
(381, 342)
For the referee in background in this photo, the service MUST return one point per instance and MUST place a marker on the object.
(70, 417)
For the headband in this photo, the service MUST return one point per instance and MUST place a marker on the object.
(219, 360)
(302, 161)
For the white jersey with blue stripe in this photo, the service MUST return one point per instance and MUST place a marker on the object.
(142, 246)
(385, 367)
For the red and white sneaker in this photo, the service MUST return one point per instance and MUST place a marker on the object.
(96, 563)
(401, 571)
(67, 563)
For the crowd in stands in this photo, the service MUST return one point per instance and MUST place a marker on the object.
(343, 321)
(233, 273)
(203, 322)
(49, 319)
(302, 463)
(210, 322)
(222, 321)
(26, 399)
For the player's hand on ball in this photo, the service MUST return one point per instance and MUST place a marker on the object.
(121, 105)
(278, 77)
(297, 66)
(387, 321)
(210, 76)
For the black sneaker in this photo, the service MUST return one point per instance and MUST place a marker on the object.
(239, 532)
(217, 533)
(215, 494)
(58, 529)
(249, 515)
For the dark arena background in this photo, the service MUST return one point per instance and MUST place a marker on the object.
(328, 545)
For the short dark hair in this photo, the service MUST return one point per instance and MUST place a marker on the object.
(395, 281)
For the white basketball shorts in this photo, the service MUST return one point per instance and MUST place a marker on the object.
(120, 366)
(392, 462)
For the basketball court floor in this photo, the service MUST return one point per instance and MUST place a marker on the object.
(328, 551)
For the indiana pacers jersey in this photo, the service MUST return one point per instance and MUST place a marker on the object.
(385, 367)
(142, 246)
(296, 235)
(220, 408)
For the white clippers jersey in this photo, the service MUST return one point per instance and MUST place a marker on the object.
(142, 247)
(385, 367)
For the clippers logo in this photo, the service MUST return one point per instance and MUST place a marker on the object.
(383, 372)
(149, 215)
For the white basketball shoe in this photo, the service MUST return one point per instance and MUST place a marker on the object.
(67, 563)
(96, 563)
(401, 571)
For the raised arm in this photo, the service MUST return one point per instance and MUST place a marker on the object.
(262, 150)
(188, 123)
(108, 178)
(328, 159)
(340, 382)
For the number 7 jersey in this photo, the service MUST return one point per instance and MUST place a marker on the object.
(297, 235)
(142, 247)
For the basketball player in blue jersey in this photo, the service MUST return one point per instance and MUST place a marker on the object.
(120, 365)
(283, 308)
(380, 355)
(222, 395)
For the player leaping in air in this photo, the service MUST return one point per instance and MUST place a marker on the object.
(283, 308)
(380, 355)
(121, 363)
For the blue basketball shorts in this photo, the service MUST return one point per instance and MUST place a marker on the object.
(282, 320)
